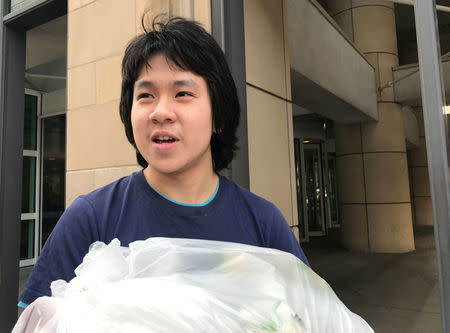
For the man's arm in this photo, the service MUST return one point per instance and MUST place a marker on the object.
(63, 251)
(281, 237)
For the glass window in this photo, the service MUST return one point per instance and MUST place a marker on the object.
(30, 122)
(27, 239)
(19, 4)
(53, 172)
(29, 184)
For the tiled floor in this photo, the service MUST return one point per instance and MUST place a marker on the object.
(392, 292)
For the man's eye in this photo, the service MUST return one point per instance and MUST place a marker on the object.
(183, 94)
(144, 95)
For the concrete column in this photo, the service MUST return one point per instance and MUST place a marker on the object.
(269, 109)
(371, 157)
(420, 182)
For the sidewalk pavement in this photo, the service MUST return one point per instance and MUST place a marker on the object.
(392, 292)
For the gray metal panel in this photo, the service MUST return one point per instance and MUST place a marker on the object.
(228, 30)
(433, 101)
(218, 22)
(36, 14)
(11, 138)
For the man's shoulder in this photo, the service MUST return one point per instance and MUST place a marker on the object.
(250, 199)
(116, 189)
(104, 200)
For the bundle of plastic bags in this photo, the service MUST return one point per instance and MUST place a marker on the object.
(186, 285)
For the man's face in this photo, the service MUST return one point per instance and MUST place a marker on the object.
(171, 118)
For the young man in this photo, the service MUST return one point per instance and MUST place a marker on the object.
(180, 112)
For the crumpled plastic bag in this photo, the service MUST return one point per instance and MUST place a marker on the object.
(188, 285)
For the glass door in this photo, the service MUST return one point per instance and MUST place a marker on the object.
(53, 156)
(29, 223)
(314, 189)
(331, 194)
(299, 177)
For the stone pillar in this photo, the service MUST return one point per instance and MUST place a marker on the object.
(420, 181)
(269, 109)
(371, 157)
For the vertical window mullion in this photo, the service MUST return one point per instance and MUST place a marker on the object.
(37, 222)
(32, 154)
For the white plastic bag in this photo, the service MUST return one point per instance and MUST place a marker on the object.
(186, 285)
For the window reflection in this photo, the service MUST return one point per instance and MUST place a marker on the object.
(28, 184)
(19, 4)
(53, 172)
(27, 239)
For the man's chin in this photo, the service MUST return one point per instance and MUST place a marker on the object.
(166, 170)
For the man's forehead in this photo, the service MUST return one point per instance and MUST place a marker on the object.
(159, 59)
(162, 70)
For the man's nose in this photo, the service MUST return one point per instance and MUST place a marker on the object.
(163, 112)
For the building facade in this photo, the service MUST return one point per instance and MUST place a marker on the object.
(331, 131)
(340, 160)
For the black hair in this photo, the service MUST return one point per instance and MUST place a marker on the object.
(190, 47)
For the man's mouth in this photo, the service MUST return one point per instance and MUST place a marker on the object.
(163, 139)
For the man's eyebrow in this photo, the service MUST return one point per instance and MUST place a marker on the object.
(177, 83)
(144, 84)
(187, 82)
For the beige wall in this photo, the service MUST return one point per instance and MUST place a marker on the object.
(270, 129)
(98, 31)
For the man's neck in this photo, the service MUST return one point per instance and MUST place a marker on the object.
(195, 187)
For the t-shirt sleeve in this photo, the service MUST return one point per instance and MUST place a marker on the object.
(64, 249)
(281, 237)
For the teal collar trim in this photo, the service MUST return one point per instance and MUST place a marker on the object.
(186, 204)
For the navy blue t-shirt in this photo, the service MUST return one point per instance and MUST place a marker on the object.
(130, 209)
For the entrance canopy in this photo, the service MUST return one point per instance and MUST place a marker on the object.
(329, 75)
